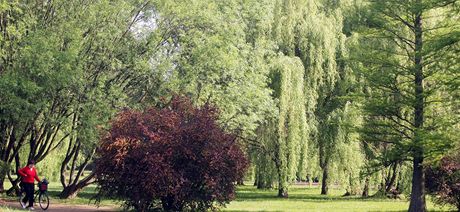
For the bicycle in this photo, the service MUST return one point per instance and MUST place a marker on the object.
(41, 193)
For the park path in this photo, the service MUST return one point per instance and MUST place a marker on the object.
(60, 207)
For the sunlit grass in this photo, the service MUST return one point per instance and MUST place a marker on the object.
(301, 198)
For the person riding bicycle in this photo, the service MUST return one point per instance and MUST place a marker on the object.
(28, 174)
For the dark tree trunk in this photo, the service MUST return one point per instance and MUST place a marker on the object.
(261, 184)
(392, 179)
(324, 181)
(69, 192)
(283, 192)
(14, 190)
(240, 182)
(417, 197)
(417, 200)
(143, 206)
(169, 204)
(2, 180)
(366, 188)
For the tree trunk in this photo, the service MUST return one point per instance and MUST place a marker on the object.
(256, 175)
(168, 204)
(240, 182)
(417, 197)
(282, 187)
(260, 184)
(69, 192)
(14, 190)
(324, 186)
(417, 200)
(392, 179)
(283, 192)
(2, 180)
(366, 188)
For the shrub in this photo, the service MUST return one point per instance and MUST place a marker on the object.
(176, 158)
(443, 181)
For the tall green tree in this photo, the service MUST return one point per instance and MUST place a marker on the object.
(312, 32)
(408, 52)
(291, 129)
(58, 84)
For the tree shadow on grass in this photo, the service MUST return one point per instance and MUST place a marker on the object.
(298, 194)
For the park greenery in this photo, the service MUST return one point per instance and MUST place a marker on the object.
(361, 95)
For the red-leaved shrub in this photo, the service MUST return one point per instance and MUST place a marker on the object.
(443, 181)
(176, 158)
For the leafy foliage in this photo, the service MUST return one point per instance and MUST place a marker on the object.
(177, 155)
(443, 180)
(408, 106)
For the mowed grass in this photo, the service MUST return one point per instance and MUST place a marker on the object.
(301, 198)
(304, 198)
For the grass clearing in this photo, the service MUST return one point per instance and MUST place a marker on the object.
(304, 198)
(301, 198)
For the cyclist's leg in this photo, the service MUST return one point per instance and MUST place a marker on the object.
(23, 192)
(29, 188)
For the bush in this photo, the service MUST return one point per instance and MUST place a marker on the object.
(443, 181)
(176, 158)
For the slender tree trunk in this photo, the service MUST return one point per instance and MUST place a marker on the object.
(283, 192)
(282, 188)
(382, 182)
(260, 182)
(366, 188)
(324, 181)
(2, 180)
(240, 182)
(417, 200)
(14, 190)
(74, 185)
(392, 179)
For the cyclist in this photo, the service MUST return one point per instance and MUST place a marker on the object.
(28, 174)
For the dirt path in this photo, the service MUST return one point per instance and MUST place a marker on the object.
(60, 207)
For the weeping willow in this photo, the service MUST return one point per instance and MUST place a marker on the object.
(306, 32)
(291, 122)
(308, 42)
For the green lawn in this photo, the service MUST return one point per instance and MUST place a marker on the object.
(301, 198)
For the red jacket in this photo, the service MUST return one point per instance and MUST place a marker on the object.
(28, 174)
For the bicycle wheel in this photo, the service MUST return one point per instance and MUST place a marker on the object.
(43, 200)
